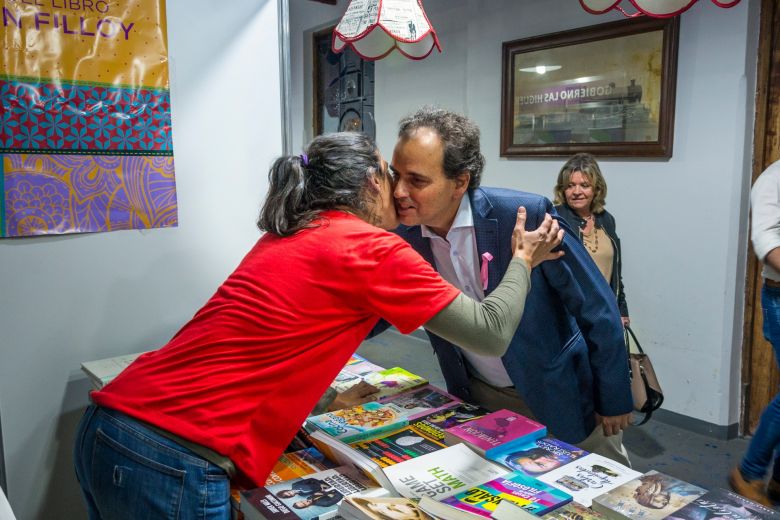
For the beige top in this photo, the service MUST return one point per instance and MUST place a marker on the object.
(600, 248)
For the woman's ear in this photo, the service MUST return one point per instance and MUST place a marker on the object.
(375, 182)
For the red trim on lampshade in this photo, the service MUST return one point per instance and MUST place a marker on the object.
(719, 3)
(349, 42)
(664, 15)
(595, 11)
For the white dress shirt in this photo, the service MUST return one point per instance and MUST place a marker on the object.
(765, 204)
(458, 262)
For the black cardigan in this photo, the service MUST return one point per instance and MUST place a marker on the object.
(605, 221)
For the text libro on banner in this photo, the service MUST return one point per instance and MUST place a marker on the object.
(85, 128)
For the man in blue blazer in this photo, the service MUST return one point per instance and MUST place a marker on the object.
(567, 364)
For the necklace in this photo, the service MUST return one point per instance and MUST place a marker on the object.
(591, 240)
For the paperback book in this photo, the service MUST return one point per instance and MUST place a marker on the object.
(506, 510)
(589, 477)
(103, 371)
(363, 421)
(537, 457)
(434, 423)
(360, 366)
(298, 464)
(397, 447)
(442, 473)
(530, 494)
(497, 431)
(343, 454)
(313, 497)
(573, 511)
(393, 381)
(652, 496)
(345, 380)
(386, 508)
(422, 401)
(723, 505)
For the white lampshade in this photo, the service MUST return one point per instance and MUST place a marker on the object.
(656, 8)
(375, 27)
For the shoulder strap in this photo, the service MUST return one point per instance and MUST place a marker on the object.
(626, 332)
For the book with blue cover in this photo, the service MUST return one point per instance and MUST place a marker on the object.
(538, 456)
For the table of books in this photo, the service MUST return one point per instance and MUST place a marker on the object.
(419, 453)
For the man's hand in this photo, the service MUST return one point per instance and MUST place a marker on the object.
(626, 321)
(353, 396)
(613, 424)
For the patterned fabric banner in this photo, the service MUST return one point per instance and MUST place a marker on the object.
(85, 127)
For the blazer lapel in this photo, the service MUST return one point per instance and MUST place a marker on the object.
(422, 245)
(486, 231)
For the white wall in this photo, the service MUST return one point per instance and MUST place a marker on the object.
(81, 297)
(682, 222)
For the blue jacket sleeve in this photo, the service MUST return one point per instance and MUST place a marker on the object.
(591, 302)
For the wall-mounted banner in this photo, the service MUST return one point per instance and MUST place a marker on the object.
(85, 127)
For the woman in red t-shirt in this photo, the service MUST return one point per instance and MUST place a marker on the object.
(226, 395)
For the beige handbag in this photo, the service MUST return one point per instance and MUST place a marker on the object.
(645, 388)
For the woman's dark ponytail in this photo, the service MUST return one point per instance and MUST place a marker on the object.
(283, 208)
(334, 172)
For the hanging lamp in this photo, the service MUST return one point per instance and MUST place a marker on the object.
(373, 28)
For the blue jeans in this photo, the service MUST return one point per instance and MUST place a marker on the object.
(129, 472)
(763, 448)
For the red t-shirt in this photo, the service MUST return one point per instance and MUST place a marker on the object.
(243, 374)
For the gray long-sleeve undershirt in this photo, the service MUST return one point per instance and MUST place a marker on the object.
(488, 326)
(484, 327)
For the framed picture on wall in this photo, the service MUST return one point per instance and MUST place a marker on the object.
(607, 89)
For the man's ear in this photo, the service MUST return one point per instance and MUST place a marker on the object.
(462, 182)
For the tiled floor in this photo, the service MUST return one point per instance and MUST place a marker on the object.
(695, 458)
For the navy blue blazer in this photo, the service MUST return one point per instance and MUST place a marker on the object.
(567, 359)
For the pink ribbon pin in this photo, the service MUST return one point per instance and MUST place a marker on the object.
(483, 270)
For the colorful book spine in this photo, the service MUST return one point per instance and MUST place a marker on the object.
(400, 446)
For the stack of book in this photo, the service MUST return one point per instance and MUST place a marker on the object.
(418, 453)
(312, 497)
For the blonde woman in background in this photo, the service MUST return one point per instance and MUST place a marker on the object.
(580, 196)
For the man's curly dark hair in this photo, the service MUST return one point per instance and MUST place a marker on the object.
(459, 135)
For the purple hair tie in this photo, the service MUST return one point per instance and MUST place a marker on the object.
(304, 159)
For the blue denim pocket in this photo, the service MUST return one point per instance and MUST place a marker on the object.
(133, 486)
(770, 311)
